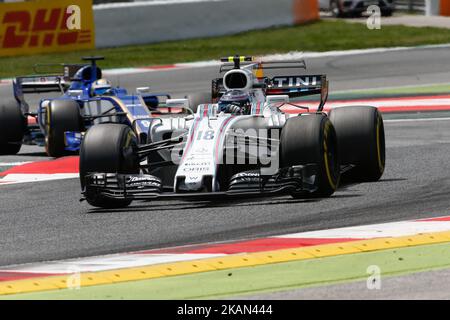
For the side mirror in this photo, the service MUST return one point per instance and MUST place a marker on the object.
(282, 98)
(75, 93)
(142, 90)
(178, 104)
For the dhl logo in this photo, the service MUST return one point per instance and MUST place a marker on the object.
(46, 26)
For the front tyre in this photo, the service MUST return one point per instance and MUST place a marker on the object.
(311, 139)
(361, 140)
(107, 148)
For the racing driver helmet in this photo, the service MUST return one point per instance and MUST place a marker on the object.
(100, 87)
(235, 102)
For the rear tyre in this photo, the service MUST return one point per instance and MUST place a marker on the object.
(198, 98)
(107, 148)
(62, 116)
(311, 139)
(361, 140)
(12, 127)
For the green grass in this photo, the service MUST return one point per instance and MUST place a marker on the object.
(319, 36)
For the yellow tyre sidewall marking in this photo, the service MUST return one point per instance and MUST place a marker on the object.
(325, 157)
(380, 163)
(47, 127)
(128, 139)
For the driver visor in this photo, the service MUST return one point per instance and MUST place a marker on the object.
(100, 91)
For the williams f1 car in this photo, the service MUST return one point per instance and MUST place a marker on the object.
(59, 122)
(239, 143)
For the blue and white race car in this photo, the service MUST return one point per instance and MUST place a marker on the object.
(86, 99)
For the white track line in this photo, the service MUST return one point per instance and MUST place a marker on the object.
(339, 53)
(103, 263)
(416, 120)
(394, 229)
(15, 178)
(10, 164)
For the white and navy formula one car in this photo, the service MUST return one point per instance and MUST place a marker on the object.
(237, 143)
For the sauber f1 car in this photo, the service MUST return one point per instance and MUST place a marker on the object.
(239, 143)
(59, 123)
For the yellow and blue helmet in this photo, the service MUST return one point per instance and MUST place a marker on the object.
(100, 87)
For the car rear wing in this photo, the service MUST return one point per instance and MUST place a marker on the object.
(300, 86)
(48, 78)
(51, 77)
(39, 84)
(297, 86)
(292, 86)
(36, 84)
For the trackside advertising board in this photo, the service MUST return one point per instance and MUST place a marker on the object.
(46, 26)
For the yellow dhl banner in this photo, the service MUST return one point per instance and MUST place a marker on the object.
(46, 26)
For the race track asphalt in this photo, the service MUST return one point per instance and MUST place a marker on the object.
(46, 221)
(425, 285)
